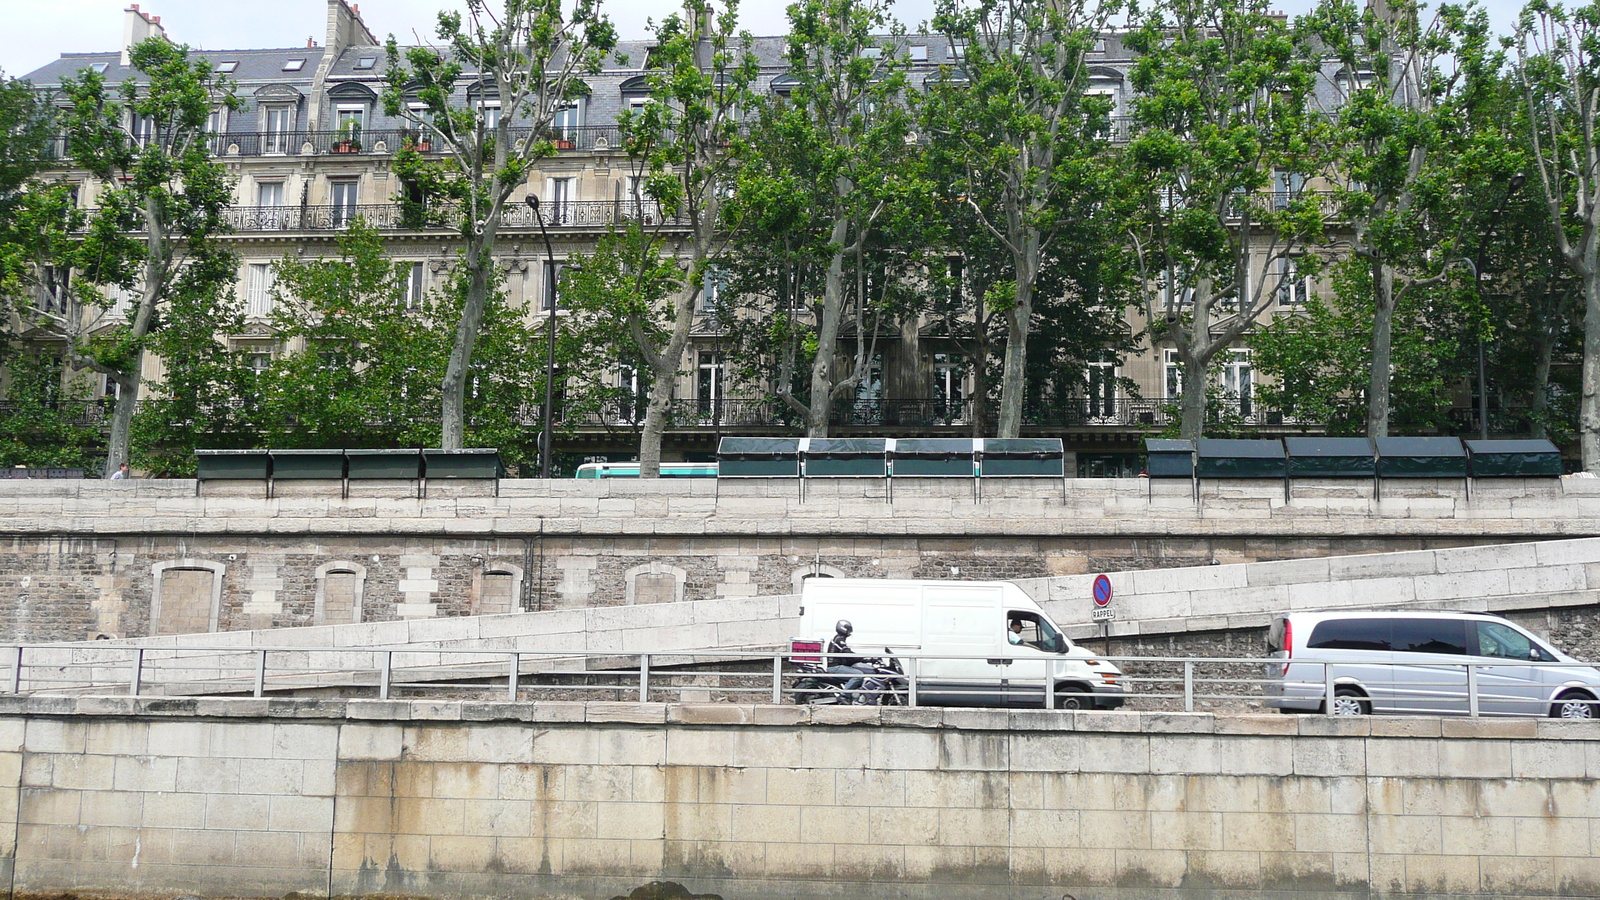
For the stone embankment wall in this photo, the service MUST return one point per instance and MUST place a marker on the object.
(244, 798)
(88, 557)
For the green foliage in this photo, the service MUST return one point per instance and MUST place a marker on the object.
(45, 424)
(156, 233)
(1318, 360)
(531, 56)
(363, 367)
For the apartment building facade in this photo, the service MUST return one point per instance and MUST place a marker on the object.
(311, 149)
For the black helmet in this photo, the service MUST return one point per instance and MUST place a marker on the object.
(843, 628)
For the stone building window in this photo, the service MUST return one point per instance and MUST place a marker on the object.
(814, 570)
(340, 588)
(655, 583)
(497, 589)
(186, 597)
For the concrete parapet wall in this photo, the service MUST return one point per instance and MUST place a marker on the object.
(259, 798)
(1324, 507)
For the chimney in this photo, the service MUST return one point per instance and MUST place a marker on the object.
(137, 27)
(345, 28)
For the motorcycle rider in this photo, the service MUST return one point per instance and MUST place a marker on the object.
(842, 660)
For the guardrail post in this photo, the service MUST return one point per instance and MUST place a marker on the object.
(138, 665)
(511, 678)
(16, 672)
(777, 678)
(911, 684)
(644, 677)
(1327, 689)
(1472, 690)
(383, 674)
(1188, 685)
(261, 671)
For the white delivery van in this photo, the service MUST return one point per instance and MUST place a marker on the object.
(957, 640)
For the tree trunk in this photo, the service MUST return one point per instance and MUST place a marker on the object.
(1012, 377)
(817, 413)
(453, 406)
(664, 382)
(1193, 404)
(1382, 350)
(1589, 411)
(122, 416)
(1019, 320)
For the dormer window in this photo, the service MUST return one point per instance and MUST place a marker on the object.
(99, 68)
(228, 66)
(294, 65)
(871, 52)
(919, 53)
(366, 62)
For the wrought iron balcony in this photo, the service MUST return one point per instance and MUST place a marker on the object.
(383, 141)
(395, 217)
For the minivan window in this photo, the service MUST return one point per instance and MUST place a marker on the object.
(1445, 636)
(1350, 634)
(1503, 642)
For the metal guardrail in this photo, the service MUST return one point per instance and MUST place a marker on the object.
(1152, 683)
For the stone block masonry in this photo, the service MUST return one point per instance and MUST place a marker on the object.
(244, 798)
(81, 558)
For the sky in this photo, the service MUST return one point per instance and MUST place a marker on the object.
(38, 31)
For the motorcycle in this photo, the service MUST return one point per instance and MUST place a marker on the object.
(883, 683)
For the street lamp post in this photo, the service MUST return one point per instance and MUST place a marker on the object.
(1512, 186)
(550, 328)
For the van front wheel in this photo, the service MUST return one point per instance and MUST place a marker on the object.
(1071, 696)
(1573, 705)
(1349, 701)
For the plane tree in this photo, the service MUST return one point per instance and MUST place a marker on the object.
(1025, 149)
(521, 64)
(641, 292)
(1224, 145)
(152, 241)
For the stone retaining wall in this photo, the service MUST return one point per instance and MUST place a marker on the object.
(244, 798)
(81, 558)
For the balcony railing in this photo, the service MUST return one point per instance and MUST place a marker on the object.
(383, 141)
(394, 217)
(767, 412)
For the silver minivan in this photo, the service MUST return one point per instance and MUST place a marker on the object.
(1423, 663)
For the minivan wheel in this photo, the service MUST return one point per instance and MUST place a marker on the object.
(1348, 701)
(1573, 705)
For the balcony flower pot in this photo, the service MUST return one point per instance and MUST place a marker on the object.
(564, 144)
(347, 147)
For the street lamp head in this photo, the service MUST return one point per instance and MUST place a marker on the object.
(533, 201)
(1517, 181)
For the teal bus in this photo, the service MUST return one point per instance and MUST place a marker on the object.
(631, 470)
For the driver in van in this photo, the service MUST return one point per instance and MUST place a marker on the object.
(1015, 635)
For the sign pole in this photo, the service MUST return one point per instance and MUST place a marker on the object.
(1102, 611)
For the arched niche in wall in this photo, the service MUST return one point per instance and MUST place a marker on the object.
(341, 585)
(655, 582)
(497, 589)
(186, 596)
(814, 570)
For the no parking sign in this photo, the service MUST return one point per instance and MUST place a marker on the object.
(1102, 600)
